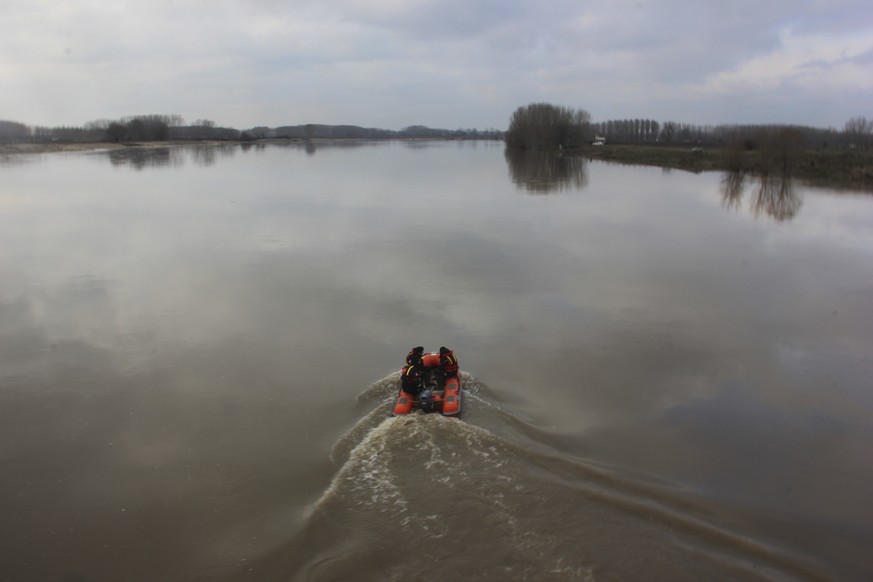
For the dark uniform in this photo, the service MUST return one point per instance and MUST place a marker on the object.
(448, 363)
(410, 379)
(413, 358)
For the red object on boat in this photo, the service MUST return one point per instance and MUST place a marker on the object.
(436, 396)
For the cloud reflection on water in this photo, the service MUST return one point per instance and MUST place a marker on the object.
(639, 320)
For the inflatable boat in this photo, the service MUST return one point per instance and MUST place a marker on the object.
(439, 394)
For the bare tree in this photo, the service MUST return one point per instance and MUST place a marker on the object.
(12, 131)
(858, 130)
(116, 132)
(542, 126)
(781, 149)
(668, 131)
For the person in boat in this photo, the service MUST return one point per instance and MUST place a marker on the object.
(410, 378)
(413, 358)
(448, 364)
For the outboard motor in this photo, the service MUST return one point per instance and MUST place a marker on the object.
(426, 399)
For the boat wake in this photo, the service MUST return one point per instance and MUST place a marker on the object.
(427, 497)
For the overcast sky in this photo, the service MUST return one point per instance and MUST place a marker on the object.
(441, 63)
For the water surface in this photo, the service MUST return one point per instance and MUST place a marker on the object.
(667, 374)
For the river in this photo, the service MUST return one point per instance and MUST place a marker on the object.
(667, 375)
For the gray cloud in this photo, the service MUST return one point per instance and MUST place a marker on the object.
(445, 63)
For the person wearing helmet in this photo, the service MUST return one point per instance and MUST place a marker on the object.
(448, 363)
(413, 358)
(410, 378)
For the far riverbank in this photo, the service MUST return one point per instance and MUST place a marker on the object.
(54, 147)
(47, 148)
(836, 168)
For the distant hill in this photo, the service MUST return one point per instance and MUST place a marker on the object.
(319, 131)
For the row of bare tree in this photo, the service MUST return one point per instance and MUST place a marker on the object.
(857, 132)
(535, 126)
(547, 126)
(172, 127)
(320, 131)
(157, 127)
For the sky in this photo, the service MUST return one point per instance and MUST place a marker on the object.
(441, 63)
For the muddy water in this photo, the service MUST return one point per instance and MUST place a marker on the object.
(666, 374)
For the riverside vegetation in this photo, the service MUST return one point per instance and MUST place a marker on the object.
(836, 168)
(821, 156)
(827, 157)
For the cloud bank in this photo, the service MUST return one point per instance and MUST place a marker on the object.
(446, 63)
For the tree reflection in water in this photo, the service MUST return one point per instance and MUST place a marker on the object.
(777, 198)
(541, 172)
(146, 157)
(141, 158)
(732, 189)
(774, 195)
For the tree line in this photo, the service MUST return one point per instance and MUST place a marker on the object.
(134, 128)
(855, 133)
(546, 126)
(157, 128)
(535, 126)
(318, 131)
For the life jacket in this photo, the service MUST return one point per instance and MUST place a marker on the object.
(448, 362)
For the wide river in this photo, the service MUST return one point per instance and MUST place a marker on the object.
(667, 376)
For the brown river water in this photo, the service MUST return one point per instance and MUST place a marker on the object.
(667, 376)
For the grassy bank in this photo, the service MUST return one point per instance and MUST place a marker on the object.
(852, 169)
(45, 148)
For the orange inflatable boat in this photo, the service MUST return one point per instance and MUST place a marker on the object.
(438, 394)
